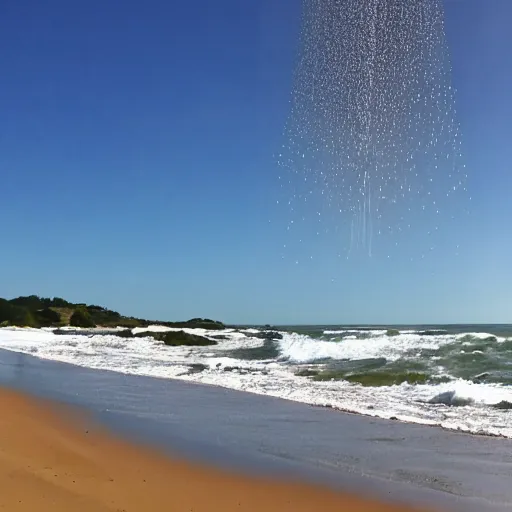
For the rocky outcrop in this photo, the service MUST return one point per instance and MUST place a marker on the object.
(178, 338)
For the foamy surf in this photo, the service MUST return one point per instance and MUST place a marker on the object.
(316, 370)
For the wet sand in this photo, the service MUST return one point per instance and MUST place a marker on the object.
(244, 433)
(52, 458)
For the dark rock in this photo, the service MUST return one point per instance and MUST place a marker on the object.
(193, 369)
(480, 377)
(126, 333)
(268, 335)
(197, 368)
(450, 398)
(503, 405)
(93, 332)
(178, 338)
(231, 368)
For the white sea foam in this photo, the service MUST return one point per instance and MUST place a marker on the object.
(374, 332)
(462, 392)
(299, 348)
(478, 336)
(145, 356)
(153, 328)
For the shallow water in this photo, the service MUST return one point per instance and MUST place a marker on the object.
(439, 469)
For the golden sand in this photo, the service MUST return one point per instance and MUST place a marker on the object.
(50, 459)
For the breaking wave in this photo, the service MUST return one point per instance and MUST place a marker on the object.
(458, 380)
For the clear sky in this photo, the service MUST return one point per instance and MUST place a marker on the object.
(137, 169)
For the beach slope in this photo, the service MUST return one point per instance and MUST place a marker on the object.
(53, 459)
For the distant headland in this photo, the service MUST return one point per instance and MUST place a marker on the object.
(37, 312)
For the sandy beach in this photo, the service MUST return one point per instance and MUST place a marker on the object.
(221, 434)
(53, 459)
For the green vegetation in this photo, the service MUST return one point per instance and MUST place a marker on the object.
(196, 323)
(33, 302)
(81, 318)
(16, 315)
(34, 311)
(47, 317)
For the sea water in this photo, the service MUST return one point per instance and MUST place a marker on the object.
(457, 377)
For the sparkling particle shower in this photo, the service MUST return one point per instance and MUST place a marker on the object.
(372, 136)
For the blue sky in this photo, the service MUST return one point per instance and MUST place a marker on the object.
(137, 168)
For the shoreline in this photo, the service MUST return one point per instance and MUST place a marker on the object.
(397, 420)
(308, 404)
(267, 436)
(56, 458)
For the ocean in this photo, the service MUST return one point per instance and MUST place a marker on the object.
(458, 377)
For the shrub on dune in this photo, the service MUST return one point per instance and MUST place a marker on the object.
(81, 318)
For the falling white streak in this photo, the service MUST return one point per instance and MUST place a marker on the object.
(372, 129)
